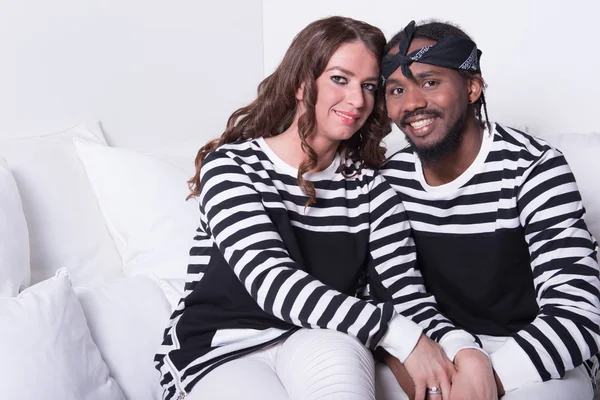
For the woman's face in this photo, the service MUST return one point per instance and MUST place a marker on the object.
(346, 93)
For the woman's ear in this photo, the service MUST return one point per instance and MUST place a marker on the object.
(300, 92)
(475, 88)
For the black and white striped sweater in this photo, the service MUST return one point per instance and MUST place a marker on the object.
(264, 265)
(505, 251)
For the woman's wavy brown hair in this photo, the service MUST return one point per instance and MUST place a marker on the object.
(275, 106)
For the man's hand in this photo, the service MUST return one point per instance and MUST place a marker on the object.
(399, 371)
(499, 385)
(427, 366)
(475, 379)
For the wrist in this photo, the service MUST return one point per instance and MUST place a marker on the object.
(401, 337)
(457, 340)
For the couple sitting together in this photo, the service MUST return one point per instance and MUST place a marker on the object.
(459, 268)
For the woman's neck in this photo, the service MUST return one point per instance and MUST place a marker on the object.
(288, 147)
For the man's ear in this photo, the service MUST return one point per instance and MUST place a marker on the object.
(475, 88)
(300, 92)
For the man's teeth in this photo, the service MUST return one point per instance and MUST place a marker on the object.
(421, 123)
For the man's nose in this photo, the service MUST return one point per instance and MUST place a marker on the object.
(414, 100)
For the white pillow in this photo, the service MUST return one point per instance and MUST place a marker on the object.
(181, 154)
(46, 348)
(14, 239)
(66, 228)
(127, 319)
(143, 202)
(582, 151)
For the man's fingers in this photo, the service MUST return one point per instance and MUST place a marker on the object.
(452, 370)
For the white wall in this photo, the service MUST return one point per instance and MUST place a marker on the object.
(152, 71)
(157, 72)
(540, 57)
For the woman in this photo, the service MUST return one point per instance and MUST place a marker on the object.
(292, 215)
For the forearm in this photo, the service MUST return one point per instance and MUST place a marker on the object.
(233, 214)
(403, 286)
(414, 303)
(565, 274)
(394, 277)
(410, 299)
(513, 366)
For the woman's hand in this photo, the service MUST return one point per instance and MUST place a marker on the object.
(427, 366)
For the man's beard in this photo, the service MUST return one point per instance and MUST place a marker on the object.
(449, 143)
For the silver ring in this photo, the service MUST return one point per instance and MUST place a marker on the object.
(434, 390)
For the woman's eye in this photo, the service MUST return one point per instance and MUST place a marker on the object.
(369, 87)
(339, 79)
(396, 91)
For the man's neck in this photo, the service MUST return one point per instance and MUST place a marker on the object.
(449, 168)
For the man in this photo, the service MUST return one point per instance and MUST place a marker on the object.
(498, 225)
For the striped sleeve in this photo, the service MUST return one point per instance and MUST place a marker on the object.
(233, 214)
(563, 257)
(394, 277)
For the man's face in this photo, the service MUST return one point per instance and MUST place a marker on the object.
(430, 109)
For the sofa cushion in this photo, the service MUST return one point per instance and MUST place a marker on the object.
(582, 152)
(14, 239)
(180, 154)
(47, 351)
(127, 319)
(143, 202)
(66, 228)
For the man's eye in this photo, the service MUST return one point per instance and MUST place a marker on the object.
(339, 79)
(396, 91)
(430, 83)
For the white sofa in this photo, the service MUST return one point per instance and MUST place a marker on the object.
(99, 237)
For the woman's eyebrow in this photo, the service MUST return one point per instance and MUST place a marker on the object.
(350, 73)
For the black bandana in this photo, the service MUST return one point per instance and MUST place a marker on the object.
(451, 52)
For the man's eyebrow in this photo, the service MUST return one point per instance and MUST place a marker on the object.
(350, 73)
(427, 74)
(393, 81)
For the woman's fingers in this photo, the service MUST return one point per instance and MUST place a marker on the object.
(420, 391)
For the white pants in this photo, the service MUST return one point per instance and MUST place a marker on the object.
(322, 364)
(575, 385)
(310, 364)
